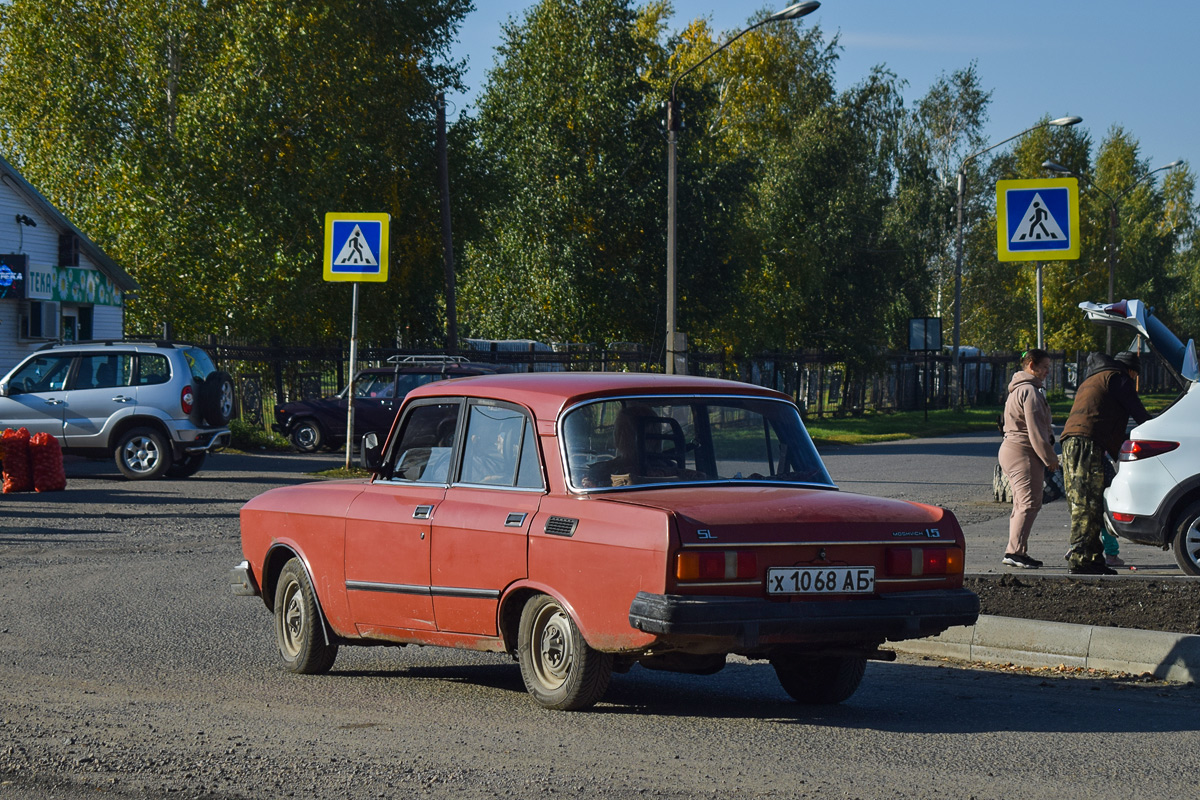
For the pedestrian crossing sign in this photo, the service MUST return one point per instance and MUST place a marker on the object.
(1037, 220)
(356, 247)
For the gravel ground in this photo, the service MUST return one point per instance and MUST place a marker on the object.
(128, 670)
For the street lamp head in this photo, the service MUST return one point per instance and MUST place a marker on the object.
(1064, 122)
(1054, 166)
(1177, 162)
(794, 11)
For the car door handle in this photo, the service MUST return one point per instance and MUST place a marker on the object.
(122, 399)
(54, 401)
(515, 520)
(423, 512)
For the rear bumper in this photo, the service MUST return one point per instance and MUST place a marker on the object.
(745, 624)
(1143, 530)
(209, 441)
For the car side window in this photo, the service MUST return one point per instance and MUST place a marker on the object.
(46, 373)
(152, 368)
(500, 448)
(105, 371)
(373, 386)
(425, 445)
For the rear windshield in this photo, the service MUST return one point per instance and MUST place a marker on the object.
(199, 362)
(644, 441)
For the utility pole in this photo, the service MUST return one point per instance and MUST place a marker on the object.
(443, 167)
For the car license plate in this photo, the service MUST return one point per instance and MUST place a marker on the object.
(820, 580)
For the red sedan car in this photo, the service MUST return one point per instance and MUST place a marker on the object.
(588, 522)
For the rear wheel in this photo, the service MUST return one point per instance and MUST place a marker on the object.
(142, 454)
(187, 466)
(559, 668)
(820, 681)
(307, 436)
(298, 629)
(1187, 540)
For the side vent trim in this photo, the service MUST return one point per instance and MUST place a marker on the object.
(561, 526)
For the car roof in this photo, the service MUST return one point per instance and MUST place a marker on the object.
(138, 345)
(547, 393)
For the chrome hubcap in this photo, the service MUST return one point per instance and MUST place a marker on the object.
(140, 454)
(553, 658)
(293, 620)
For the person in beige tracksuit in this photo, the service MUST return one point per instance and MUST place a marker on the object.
(1026, 453)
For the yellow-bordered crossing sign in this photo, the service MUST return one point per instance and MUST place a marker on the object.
(1037, 220)
(356, 247)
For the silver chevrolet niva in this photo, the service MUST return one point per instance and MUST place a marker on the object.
(156, 408)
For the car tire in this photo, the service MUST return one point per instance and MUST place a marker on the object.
(820, 681)
(187, 466)
(216, 399)
(559, 668)
(142, 454)
(299, 631)
(307, 435)
(1187, 539)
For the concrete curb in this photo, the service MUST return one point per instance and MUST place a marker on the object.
(1030, 643)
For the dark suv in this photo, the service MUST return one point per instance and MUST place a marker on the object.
(313, 424)
(156, 408)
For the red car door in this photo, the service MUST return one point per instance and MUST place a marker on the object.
(388, 531)
(481, 529)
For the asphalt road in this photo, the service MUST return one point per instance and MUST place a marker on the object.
(128, 669)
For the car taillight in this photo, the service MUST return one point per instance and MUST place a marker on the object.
(187, 399)
(1118, 517)
(1137, 449)
(716, 565)
(918, 561)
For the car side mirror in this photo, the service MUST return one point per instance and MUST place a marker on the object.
(371, 453)
(3, 389)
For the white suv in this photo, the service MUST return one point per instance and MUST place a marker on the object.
(1155, 497)
(156, 408)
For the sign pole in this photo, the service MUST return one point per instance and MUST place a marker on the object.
(1037, 266)
(356, 250)
(350, 380)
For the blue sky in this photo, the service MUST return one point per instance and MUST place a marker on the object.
(1108, 62)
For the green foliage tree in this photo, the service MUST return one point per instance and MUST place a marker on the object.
(200, 144)
(570, 245)
(947, 127)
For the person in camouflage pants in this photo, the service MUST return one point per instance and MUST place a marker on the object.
(1083, 475)
(1104, 402)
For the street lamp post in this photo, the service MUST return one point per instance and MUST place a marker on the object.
(674, 123)
(1113, 221)
(956, 371)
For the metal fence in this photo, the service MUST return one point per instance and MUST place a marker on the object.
(821, 384)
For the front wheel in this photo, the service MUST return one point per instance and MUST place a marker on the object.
(1187, 540)
(142, 454)
(298, 629)
(307, 436)
(559, 668)
(820, 681)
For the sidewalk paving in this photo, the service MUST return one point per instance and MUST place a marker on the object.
(987, 540)
(1035, 643)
